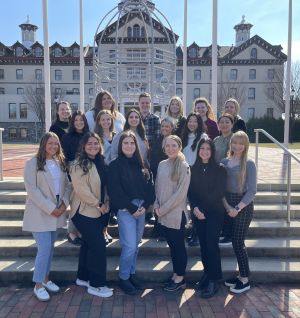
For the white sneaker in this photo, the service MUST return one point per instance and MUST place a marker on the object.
(41, 294)
(100, 291)
(50, 286)
(82, 283)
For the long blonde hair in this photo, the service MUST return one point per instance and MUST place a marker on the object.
(180, 113)
(175, 174)
(243, 171)
(236, 104)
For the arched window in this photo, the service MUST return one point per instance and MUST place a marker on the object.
(143, 32)
(19, 51)
(253, 53)
(136, 31)
(129, 32)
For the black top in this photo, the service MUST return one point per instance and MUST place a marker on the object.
(156, 156)
(70, 143)
(178, 129)
(127, 182)
(60, 128)
(102, 172)
(207, 188)
(239, 124)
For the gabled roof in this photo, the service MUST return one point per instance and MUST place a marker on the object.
(18, 44)
(36, 44)
(75, 44)
(56, 44)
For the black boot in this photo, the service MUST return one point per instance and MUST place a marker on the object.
(127, 287)
(136, 282)
(210, 290)
(203, 282)
(194, 241)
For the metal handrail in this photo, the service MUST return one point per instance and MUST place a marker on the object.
(1, 156)
(286, 152)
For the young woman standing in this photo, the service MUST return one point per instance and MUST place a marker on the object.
(175, 114)
(62, 122)
(48, 192)
(232, 107)
(238, 202)
(171, 186)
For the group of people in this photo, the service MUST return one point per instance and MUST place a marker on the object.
(140, 169)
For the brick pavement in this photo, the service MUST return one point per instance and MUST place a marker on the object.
(73, 301)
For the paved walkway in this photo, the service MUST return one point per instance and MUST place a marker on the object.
(72, 301)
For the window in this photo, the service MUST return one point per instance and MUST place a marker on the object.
(252, 74)
(143, 32)
(233, 74)
(271, 73)
(76, 91)
(19, 51)
(23, 110)
(2, 51)
(23, 133)
(38, 52)
(196, 92)
(159, 74)
(57, 91)
(57, 52)
(193, 52)
(74, 107)
(1, 73)
(197, 75)
(136, 54)
(270, 112)
(91, 91)
(179, 75)
(179, 91)
(39, 91)
(2, 90)
(38, 74)
(20, 90)
(136, 31)
(76, 52)
(271, 92)
(112, 74)
(233, 92)
(19, 74)
(58, 75)
(253, 53)
(76, 75)
(251, 93)
(129, 32)
(112, 54)
(12, 133)
(136, 73)
(251, 112)
(12, 111)
(91, 75)
(159, 54)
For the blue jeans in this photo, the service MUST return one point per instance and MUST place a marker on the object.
(131, 231)
(45, 247)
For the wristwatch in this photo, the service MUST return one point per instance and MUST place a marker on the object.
(237, 208)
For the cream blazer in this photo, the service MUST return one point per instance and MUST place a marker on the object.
(41, 199)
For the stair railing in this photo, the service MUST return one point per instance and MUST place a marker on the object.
(1, 155)
(289, 155)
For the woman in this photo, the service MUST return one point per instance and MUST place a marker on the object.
(135, 124)
(175, 114)
(221, 142)
(48, 193)
(131, 193)
(70, 142)
(232, 107)
(104, 100)
(238, 202)
(62, 122)
(203, 107)
(207, 188)
(88, 205)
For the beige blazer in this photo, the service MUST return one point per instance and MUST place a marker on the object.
(41, 199)
(86, 191)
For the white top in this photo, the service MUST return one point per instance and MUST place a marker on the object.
(107, 150)
(190, 155)
(119, 121)
(54, 170)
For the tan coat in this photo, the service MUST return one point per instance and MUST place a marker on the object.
(86, 191)
(41, 199)
(171, 196)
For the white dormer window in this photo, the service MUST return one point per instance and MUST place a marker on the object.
(193, 52)
(76, 52)
(38, 52)
(136, 31)
(57, 52)
(19, 51)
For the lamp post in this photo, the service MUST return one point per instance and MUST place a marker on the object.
(291, 117)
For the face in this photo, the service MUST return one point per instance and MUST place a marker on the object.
(166, 129)
(92, 147)
(174, 107)
(79, 123)
(225, 125)
(192, 124)
(205, 152)
(106, 102)
(128, 147)
(171, 148)
(237, 146)
(52, 147)
(230, 108)
(145, 105)
(133, 120)
(201, 108)
(63, 112)
(105, 121)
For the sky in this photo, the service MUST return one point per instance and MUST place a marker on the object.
(269, 19)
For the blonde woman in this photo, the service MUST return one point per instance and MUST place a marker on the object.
(238, 202)
(204, 109)
(171, 187)
(233, 108)
(175, 114)
(48, 192)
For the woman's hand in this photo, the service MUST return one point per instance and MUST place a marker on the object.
(102, 209)
(56, 213)
(140, 211)
(233, 212)
(62, 208)
(157, 211)
(198, 214)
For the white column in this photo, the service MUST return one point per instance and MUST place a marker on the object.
(81, 62)
(184, 60)
(288, 79)
(46, 67)
(214, 58)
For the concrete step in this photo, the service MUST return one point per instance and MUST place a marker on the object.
(258, 228)
(152, 269)
(285, 247)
